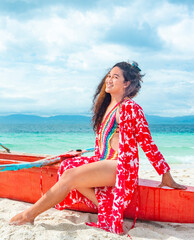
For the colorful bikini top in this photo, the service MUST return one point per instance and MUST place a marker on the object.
(107, 129)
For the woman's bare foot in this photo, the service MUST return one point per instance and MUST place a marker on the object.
(22, 218)
(168, 181)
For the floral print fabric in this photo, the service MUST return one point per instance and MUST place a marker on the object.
(133, 129)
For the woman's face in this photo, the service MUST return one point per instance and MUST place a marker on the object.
(115, 82)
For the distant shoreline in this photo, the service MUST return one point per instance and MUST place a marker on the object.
(152, 119)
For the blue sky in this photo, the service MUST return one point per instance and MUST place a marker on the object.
(54, 53)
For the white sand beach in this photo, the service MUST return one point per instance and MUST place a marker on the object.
(67, 224)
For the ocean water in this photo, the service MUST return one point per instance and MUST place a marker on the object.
(176, 142)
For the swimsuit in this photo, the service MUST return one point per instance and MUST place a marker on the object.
(107, 129)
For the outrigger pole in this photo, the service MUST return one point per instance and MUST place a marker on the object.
(7, 149)
(43, 162)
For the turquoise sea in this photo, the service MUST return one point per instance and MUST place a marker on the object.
(176, 142)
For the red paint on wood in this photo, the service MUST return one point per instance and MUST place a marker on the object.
(155, 204)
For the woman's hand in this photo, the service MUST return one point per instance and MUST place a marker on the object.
(168, 181)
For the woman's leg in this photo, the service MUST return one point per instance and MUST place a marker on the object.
(97, 174)
(90, 194)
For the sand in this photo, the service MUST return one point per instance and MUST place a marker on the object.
(67, 224)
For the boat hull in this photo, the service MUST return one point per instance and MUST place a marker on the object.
(155, 204)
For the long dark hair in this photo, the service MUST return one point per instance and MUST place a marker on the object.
(101, 100)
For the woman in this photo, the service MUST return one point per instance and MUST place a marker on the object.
(108, 179)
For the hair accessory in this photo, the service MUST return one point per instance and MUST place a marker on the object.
(135, 65)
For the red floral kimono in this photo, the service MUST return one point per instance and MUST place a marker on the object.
(133, 129)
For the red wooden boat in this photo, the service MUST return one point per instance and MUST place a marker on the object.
(155, 204)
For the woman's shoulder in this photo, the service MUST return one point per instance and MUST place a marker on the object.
(131, 109)
(128, 102)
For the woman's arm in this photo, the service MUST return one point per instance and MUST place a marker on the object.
(144, 139)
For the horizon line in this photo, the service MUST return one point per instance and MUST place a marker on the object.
(83, 114)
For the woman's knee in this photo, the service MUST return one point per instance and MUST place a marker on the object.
(68, 178)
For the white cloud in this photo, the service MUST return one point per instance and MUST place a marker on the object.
(45, 90)
(180, 36)
(55, 34)
(5, 37)
(61, 36)
(163, 13)
(168, 93)
(100, 57)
